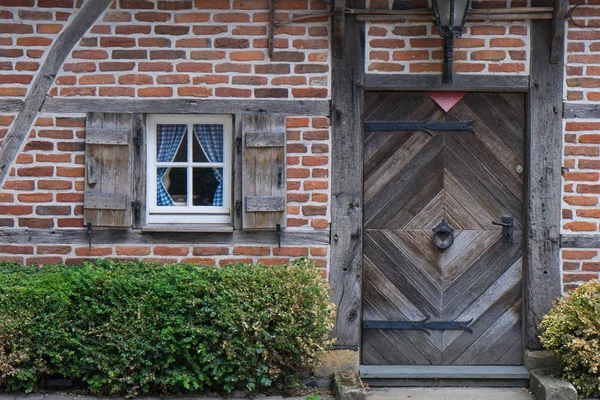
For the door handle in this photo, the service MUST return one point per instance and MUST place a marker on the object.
(508, 226)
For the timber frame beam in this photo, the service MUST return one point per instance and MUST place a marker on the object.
(44, 79)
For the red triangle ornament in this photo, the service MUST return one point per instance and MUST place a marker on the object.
(446, 100)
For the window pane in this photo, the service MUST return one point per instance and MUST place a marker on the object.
(171, 143)
(171, 187)
(208, 143)
(208, 191)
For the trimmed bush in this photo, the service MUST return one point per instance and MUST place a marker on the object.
(130, 328)
(571, 332)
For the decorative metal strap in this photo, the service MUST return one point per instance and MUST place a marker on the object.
(424, 325)
(425, 126)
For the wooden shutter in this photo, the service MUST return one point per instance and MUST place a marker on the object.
(109, 185)
(263, 171)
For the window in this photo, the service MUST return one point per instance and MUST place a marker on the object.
(189, 169)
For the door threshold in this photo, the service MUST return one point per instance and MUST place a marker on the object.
(445, 375)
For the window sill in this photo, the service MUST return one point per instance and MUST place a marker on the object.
(211, 228)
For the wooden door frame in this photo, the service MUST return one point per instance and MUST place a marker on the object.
(542, 203)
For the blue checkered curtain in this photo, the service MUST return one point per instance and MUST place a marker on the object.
(168, 139)
(210, 137)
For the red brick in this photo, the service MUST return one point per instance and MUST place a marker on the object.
(312, 185)
(116, 66)
(171, 251)
(116, 91)
(579, 277)
(296, 222)
(209, 29)
(579, 254)
(93, 252)
(133, 250)
(581, 151)
(43, 260)
(507, 67)
(290, 251)
(487, 30)
(155, 92)
(270, 93)
(130, 54)
(315, 160)
(53, 210)
(35, 171)
(581, 176)
(36, 222)
(207, 55)
(70, 222)
(318, 251)
(11, 53)
(155, 67)
(174, 4)
(289, 80)
(13, 92)
(174, 30)
(319, 223)
(16, 28)
(35, 197)
(154, 42)
(311, 92)
(150, 16)
(195, 43)
(194, 67)
(232, 92)
(591, 266)
(192, 17)
(210, 251)
(15, 249)
(198, 261)
(136, 79)
(19, 185)
(194, 92)
(251, 251)
(258, 55)
(231, 17)
(53, 249)
(69, 197)
(587, 213)
(117, 41)
(580, 226)
(96, 79)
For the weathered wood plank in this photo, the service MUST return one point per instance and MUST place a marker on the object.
(346, 184)
(543, 202)
(576, 110)
(106, 136)
(263, 171)
(185, 106)
(44, 79)
(473, 83)
(139, 171)
(136, 236)
(265, 139)
(105, 201)
(265, 203)
(10, 106)
(579, 241)
(558, 31)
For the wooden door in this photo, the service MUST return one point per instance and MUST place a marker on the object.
(412, 181)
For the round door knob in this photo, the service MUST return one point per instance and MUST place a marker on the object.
(443, 235)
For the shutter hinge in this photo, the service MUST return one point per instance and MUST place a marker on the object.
(278, 227)
(238, 144)
(89, 232)
(238, 208)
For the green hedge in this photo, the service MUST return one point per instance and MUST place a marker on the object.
(130, 328)
(571, 332)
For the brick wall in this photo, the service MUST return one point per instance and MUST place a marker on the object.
(581, 152)
(161, 49)
(414, 47)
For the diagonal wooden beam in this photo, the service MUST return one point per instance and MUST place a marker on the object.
(44, 79)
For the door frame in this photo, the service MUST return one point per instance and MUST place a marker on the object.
(542, 202)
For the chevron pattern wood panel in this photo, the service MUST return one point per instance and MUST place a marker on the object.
(413, 180)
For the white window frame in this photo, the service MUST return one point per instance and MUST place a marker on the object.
(188, 214)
